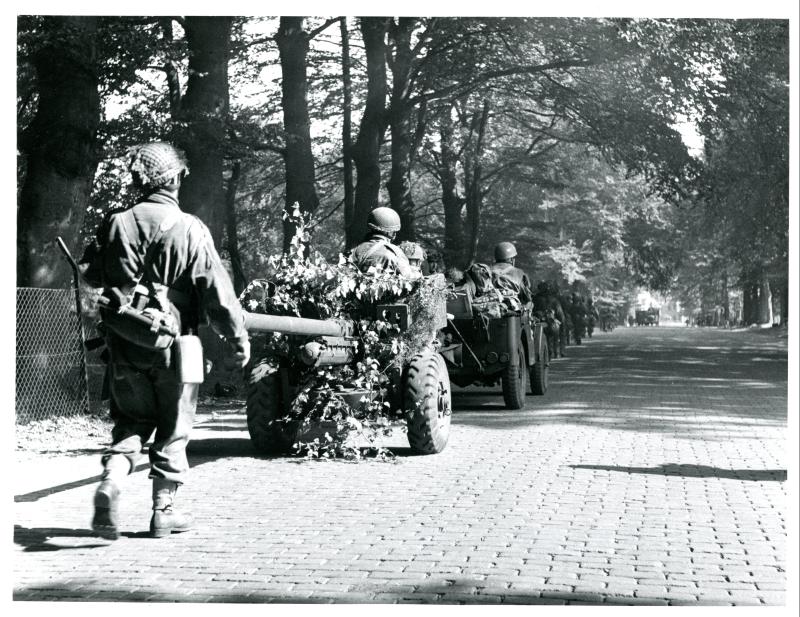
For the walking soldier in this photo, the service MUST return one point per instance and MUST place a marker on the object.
(154, 257)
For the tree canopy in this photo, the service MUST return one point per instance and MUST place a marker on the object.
(566, 136)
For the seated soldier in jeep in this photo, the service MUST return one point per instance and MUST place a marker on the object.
(504, 271)
(378, 249)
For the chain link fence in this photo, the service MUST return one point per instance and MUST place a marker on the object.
(51, 361)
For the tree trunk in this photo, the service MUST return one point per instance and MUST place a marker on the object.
(726, 300)
(748, 302)
(347, 128)
(293, 47)
(764, 300)
(171, 69)
(474, 191)
(373, 125)
(202, 119)
(453, 204)
(401, 127)
(231, 224)
(60, 146)
(784, 302)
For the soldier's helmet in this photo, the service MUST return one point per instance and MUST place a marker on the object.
(157, 163)
(413, 251)
(504, 251)
(384, 219)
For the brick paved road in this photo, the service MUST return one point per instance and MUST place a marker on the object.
(653, 472)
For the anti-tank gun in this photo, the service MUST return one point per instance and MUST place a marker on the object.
(419, 386)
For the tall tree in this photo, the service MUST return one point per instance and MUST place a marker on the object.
(202, 117)
(400, 117)
(292, 43)
(60, 148)
(347, 127)
(366, 149)
(473, 176)
(445, 171)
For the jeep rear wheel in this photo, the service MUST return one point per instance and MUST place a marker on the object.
(267, 424)
(426, 400)
(515, 381)
(541, 370)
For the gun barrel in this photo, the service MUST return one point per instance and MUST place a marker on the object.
(257, 322)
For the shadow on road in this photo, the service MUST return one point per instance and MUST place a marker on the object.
(436, 592)
(37, 495)
(40, 539)
(697, 471)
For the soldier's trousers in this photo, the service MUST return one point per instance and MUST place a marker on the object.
(146, 396)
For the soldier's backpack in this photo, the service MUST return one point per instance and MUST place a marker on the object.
(481, 275)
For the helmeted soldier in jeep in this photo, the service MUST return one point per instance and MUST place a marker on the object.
(378, 249)
(505, 255)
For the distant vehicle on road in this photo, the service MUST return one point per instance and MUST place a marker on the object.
(649, 317)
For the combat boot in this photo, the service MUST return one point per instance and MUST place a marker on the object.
(165, 519)
(106, 497)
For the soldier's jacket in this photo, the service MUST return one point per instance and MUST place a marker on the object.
(185, 261)
(541, 302)
(578, 311)
(545, 301)
(507, 271)
(377, 250)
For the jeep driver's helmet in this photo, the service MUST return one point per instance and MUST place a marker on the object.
(157, 164)
(384, 220)
(504, 251)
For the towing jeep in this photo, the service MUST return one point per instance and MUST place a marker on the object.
(483, 348)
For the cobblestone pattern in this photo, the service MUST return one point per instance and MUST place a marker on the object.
(651, 473)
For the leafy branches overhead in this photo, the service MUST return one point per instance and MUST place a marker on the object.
(565, 136)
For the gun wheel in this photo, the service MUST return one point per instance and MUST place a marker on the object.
(541, 370)
(269, 431)
(426, 400)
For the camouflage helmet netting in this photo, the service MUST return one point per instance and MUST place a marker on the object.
(156, 163)
(413, 250)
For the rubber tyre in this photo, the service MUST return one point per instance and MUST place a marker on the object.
(540, 372)
(264, 409)
(427, 403)
(515, 381)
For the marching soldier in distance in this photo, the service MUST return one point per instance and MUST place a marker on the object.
(548, 308)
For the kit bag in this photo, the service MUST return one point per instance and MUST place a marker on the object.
(481, 275)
